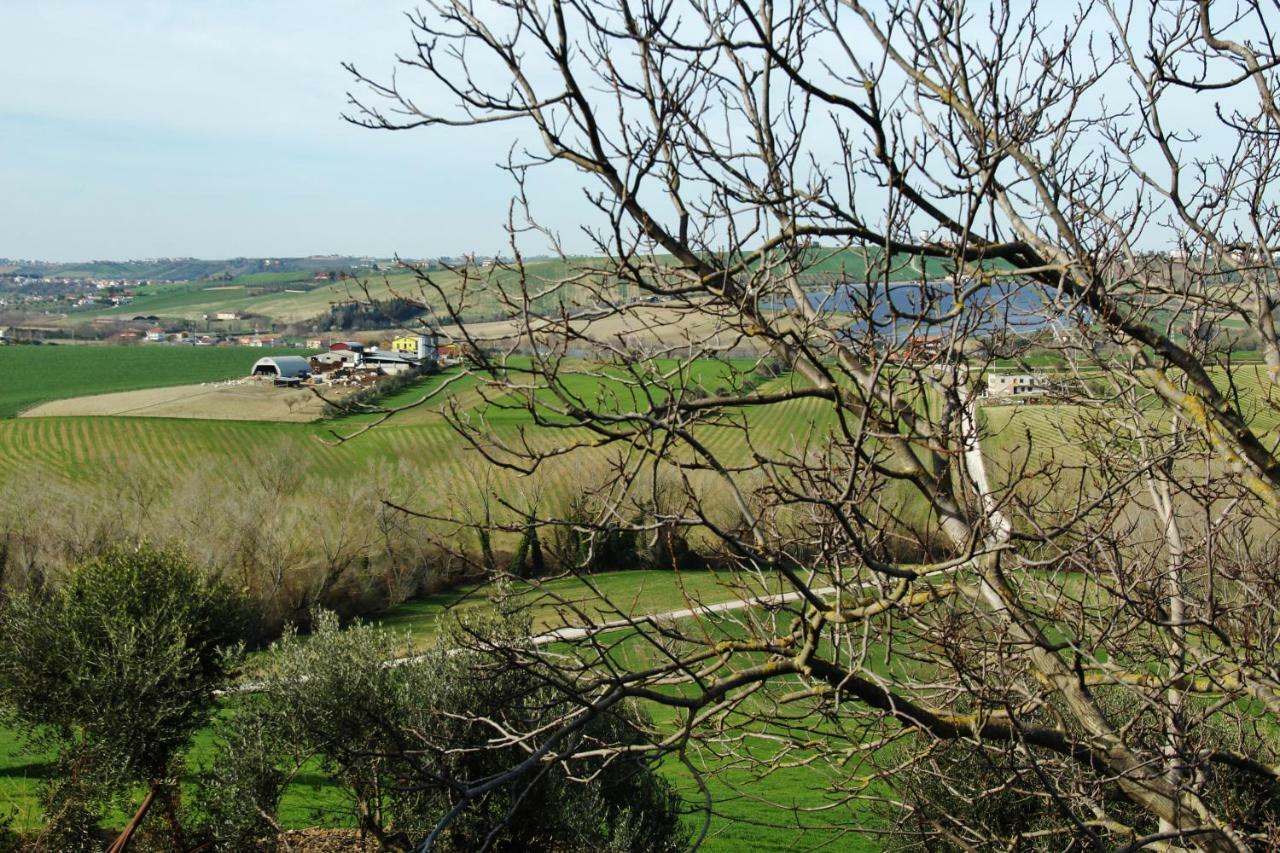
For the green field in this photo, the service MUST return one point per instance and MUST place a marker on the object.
(37, 374)
(420, 440)
(293, 297)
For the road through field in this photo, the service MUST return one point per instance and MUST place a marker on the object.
(571, 634)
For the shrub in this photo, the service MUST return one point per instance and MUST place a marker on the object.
(115, 670)
(400, 739)
(964, 795)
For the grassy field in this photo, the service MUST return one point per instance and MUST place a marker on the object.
(37, 374)
(74, 448)
(293, 297)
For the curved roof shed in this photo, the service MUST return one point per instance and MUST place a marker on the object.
(282, 366)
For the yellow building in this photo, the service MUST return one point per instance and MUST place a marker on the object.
(406, 344)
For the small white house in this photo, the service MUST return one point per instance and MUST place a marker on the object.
(1017, 385)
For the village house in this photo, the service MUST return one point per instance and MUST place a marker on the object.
(1017, 386)
(155, 334)
(422, 348)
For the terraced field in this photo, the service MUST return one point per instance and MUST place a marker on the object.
(75, 448)
(84, 448)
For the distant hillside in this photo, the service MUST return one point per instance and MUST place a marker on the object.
(188, 269)
(320, 293)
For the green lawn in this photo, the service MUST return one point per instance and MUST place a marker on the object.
(37, 374)
(559, 602)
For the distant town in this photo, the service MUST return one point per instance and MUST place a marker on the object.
(201, 302)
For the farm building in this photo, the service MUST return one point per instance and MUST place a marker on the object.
(345, 358)
(390, 362)
(282, 367)
(1017, 386)
(421, 348)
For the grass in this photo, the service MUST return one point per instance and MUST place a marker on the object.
(37, 374)
(554, 602)
(270, 294)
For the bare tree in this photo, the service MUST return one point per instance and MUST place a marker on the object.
(887, 199)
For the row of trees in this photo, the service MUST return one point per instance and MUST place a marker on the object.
(293, 540)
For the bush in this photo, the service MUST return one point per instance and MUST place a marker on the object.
(115, 670)
(400, 739)
(386, 386)
(962, 795)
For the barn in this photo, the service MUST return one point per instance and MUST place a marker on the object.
(282, 367)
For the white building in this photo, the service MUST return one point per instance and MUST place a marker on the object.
(1017, 385)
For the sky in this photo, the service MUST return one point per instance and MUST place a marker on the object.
(142, 128)
(146, 128)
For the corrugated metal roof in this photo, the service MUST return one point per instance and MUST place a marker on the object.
(286, 365)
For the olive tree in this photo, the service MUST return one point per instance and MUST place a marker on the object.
(392, 729)
(115, 670)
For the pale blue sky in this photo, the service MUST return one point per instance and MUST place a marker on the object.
(211, 128)
(133, 128)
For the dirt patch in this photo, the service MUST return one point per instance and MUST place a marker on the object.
(235, 400)
(328, 841)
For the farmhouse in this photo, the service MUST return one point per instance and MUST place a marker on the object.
(336, 358)
(282, 367)
(1017, 386)
(227, 315)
